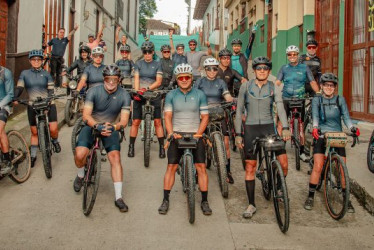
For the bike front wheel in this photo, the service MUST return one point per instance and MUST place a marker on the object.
(370, 153)
(71, 115)
(280, 197)
(91, 181)
(45, 148)
(220, 163)
(147, 139)
(20, 157)
(190, 188)
(296, 134)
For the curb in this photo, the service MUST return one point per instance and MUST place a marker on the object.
(363, 197)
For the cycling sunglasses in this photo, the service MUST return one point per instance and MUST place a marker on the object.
(111, 80)
(311, 47)
(184, 78)
(211, 68)
(147, 52)
(124, 52)
(292, 54)
(332, 86)
(262, 67)
(167, 52)
(97, 55)
(192, 44)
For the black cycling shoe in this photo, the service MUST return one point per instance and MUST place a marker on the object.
(230, 179)
(309, 203)
(162, 154)
(121, 205)
(56, 146)
(78, 183)
(205, 208)
(131, 152)
(163, 209)
(33, 160)
(350, 208)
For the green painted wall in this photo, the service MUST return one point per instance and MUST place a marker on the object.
(307, 25)
(341, 48)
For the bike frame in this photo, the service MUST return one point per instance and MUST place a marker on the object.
(92, 150)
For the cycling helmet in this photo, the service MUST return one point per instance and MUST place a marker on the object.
(312, 42)
(183, 68)
(192, 41)
(329, 77)
(225, 52)
(236, 41)
(180, 45)
(111, 70)
(125, 48)
(84, 48)
(211, 61)
(36, 52)
(165, 47)
(148, 45)
(91, 35)
(261, 60)
(292, 48)
(98, 50)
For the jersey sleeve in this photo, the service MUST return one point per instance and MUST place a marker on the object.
(240, 108)
(126, 102)
(224, 88)
(21, 80)
(9, 88)
(309, 74)
(197, 83)
(136, 68)
(315, 111)
(203, 104)
(50, 81)
(280, 106)
(280, 74)
(50, 43)
(159, 69)
(85, 73)
(90, 98)
(169, 102)
(345, 113)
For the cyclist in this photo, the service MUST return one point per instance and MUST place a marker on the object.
(314, 63)
(167, 66)
(327, 110)
(239, 61)
(83, 61)
(125, 64)
(194, 57)
(94, 42)
(38, 83)
(216, 92)
(6, 96)
(294, 76)
(178, 57)
(104, 103)
(148, 76)
(226, 73)
(183, 108)
(257, 97)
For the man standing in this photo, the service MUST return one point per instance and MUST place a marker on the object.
(92, 42)
(194, 57)
(120, 43)
(59, 44)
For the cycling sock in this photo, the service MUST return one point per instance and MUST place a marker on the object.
(301, 149)
(250, 187)
(312, 190)
(33, 150)
(132, 140)
(228, 169)
(81, 172)
(166, 194)
(161, 140)
(6, 156)
(118, 189)
(204, 196)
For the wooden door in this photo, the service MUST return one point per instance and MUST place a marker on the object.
(71, 27)
(3, 29)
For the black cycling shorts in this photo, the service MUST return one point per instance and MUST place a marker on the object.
(52, 115)
(319, 148)
(175, 154)
(4, 115)
(288, 110)
(137, 109)
(260, 131)
(110, 143)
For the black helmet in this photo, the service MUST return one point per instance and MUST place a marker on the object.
(180, 45)
(111, 70)
(312, 42)
(225, 52)
(84, 48)
(165, 47)
(236, 41)
(329, 77)
(148, 45)
(192, 41)
(36, 52)
(261, 60)
(125, 48)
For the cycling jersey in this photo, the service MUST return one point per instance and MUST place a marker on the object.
(332, 114)
(294, 79)
(167, 71)
(314, 64)
(179, 59)
(126, 67)
(58, 46)
(229, 75)
(6, 88)
(193, 59)
(80, 65)
(107, 107)
(258, 102)
(240, 62)
(147, 71)
(186, 109)
(37, 83)
(93, 75)
(215, 90)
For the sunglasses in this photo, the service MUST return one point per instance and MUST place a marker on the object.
(96, 56)
(166, 52)
(262, 68)
(211, 68)
(184, 78)
(332, 86)
(192, 44)
(147, 52)
(292, 54)
(225, 58)
(311, 47)
(111, 80)
(124, 52)
(36, 59)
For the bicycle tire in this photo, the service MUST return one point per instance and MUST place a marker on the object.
(91, 182)
(370, 153)
(21, 168)
(280, 199)
(208, 156)
(308, 148)
(334, 182)
(75, 133)
(242, 157)
(147, 139)
(70, 117)
(44, 148)
(190, 188)
(266, 182)
(296, 134)
(220, 158)
(232, 132)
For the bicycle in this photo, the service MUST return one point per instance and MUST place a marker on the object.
(335, 174)
(271, 176)
(20, 163)
(73, 104)
(41, 107)
(370, 153)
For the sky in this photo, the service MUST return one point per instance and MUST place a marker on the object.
(175, 11)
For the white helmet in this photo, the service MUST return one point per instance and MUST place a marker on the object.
(183, 68)
(292, 48)
(98, 50)
(211, 61)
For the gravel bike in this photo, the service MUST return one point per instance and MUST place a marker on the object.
(73, 104)
(370, 153)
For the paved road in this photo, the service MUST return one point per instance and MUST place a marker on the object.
(47, 214)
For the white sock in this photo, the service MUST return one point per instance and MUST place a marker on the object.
(118, 189)
(81, 172)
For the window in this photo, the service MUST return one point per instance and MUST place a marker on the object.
(119, 10)
(262, 33)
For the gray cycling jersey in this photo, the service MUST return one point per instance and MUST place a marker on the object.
(126, 67)
(193, 59)
(94, 75)
(258, 102)
(147, 71)
(107, 107)
(6, 88)
(36, 82)
(215, 90)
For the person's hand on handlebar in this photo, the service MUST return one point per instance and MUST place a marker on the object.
(141, 91)
(315, 133)
(286, 134)
(356, 131)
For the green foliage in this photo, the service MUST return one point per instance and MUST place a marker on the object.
(147, 9)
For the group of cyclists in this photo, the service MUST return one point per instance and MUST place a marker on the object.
(108, 106)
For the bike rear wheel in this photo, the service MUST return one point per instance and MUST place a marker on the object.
(91, 181)
(220, 164)
(76, 130)
(370, 153)
(20, 157)
(280, 197)
(45, 148)
(190, 188)
(337, 187)
(71, 116)
(147, 139)
(296, 134)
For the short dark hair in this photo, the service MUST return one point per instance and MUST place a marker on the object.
(61, 28)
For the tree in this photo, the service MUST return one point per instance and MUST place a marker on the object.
(147, 9)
